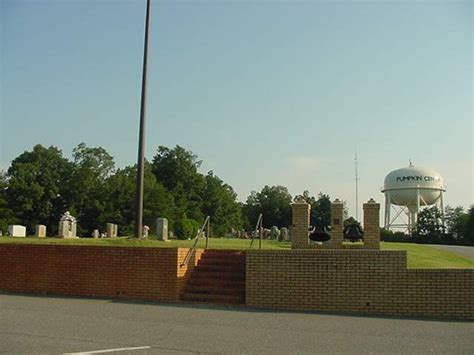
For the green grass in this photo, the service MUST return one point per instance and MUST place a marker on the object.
(419, 256)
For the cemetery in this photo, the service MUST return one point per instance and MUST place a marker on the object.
(342, 271)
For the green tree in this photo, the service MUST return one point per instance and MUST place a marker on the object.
(469, 229)
(320, 207)
(456, 221)
(429, 227)
(273, 202)
(38, 184)
(6, 214)
(351, 220)
(220, 203)
(92, 167)
(120, 202)
(177, 170)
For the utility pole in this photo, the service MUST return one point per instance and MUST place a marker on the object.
(141, 138)
(356, 186)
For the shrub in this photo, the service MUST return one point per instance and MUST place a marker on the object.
(186, 228)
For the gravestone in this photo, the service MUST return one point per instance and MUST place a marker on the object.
(40, 231)
(284, 235)
(111, 230)
(16, 230)
(145, 231)
(67, 226)
(274, 232)
(95, 234)
(162, 229)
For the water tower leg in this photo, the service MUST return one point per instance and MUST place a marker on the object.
(441, 209)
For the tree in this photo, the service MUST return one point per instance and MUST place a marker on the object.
(38, 184)
(320, 207)
(92, 166)
(469, 229)
(220, 203)
(6, 214)
(177, 170)
(429, 227)
(120, 202)
(351, 220)
(456, 221)
(274, 202)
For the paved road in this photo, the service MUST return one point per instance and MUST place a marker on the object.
(467, 252)
(31, 325)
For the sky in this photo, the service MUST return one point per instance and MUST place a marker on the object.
(265, 93)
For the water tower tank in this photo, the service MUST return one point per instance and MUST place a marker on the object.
(412, 187)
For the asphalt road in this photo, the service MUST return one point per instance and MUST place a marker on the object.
(467, 252)
(33, 325)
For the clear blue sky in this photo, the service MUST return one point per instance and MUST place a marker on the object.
(263, 92)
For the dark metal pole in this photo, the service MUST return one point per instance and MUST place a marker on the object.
(141, 139)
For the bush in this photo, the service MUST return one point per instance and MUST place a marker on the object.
(186, 228)
(396, 237)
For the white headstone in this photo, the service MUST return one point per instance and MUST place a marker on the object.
(17, 231)
(40, 231)
(111, 229)
(95, 234)
(162, 229)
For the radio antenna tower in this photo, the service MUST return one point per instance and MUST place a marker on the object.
(357, 185)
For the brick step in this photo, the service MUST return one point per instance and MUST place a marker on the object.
(216, 283)
(212, 289)
(218, 275)
(221, 261)
(221, 268)
(215, 255)
(195, 297)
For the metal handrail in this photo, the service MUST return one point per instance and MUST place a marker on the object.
(200, 232)
(259, 230)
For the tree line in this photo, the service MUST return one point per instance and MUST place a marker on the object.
(40, 185)
(458, 227)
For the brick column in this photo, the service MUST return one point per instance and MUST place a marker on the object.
(337, 224)
(299, 229)
(371, 225)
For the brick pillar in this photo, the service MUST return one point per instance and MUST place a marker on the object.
(299, 229)
(371, 224)
(337, 224)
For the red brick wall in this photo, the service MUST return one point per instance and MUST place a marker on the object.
(118, 272)
(358, 281)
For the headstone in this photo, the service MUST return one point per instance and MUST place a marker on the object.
(162, 229)
(111, 230)
(284, 235)
(40, 231)
(67, 226)
(17, 230)
(115, 230)
(145, 231)
(1, 233)
(95, 234)
(274, 232)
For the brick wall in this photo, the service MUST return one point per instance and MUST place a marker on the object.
(356, 281)
(117, 272)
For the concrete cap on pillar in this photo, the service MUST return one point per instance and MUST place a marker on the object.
(371, 200)
(337, 201)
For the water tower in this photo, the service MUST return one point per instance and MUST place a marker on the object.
(406, 191)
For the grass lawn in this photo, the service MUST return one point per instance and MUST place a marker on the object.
(419, 256)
